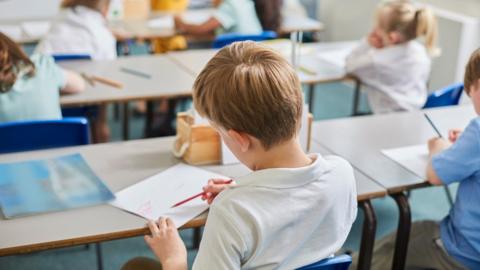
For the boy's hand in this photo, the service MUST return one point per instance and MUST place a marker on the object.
(374, 40)
(166, 244)
(436, 145)
(453, 134)
(213, 188)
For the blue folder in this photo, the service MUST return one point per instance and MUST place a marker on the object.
(39, 186)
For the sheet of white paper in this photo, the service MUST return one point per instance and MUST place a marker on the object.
(165, 22)
(36, 28)
(413, 158)
(154, 196)
(12, 31)
(337, 57)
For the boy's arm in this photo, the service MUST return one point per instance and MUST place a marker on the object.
(167, 245)
(457, 162)
(205, 28)
(223, 245)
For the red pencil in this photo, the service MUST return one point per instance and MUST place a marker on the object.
(197, 195)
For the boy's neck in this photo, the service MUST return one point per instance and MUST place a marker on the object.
(285, 155)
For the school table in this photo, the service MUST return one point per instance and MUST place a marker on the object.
(314, 65)
(167, 80)
(120, 165)
(360, 140)
(158, 25)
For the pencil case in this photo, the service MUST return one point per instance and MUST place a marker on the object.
(200, 144)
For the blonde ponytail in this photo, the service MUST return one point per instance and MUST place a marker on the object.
(403, 17)
(426, 26)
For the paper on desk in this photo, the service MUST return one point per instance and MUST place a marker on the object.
(36, 28)
(154, 196)
(413, 158)
(165, 22)
(12, 31)
(337, 57)
(197, 16)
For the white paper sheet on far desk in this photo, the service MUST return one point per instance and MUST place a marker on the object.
(413, 158)
(154, 196)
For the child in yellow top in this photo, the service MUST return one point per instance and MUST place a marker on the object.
(163, 45)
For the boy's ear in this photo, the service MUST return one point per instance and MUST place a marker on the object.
(241, 139)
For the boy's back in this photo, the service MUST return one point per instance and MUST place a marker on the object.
(280, 218)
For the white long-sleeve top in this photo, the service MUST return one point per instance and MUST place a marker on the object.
(80, 30)
(394, 78)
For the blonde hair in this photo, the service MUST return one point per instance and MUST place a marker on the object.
(13, 63)
(250, 88)
(472, 71)
(98, 5)
(411, 22)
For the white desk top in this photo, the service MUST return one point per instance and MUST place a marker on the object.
(360, 139)
(194, 61)
(167, 80)
(119, 165)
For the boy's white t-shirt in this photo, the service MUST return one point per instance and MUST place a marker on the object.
(395, 78)
(80, 30)
(281, 218)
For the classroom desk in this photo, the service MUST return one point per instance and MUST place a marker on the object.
(140, 29)
(319, 69)
(360, 140)
(120, 165)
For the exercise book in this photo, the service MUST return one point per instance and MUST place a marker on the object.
(38, 186)
(413, 158)
(154, 197)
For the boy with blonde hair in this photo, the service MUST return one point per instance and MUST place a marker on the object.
(294, 209)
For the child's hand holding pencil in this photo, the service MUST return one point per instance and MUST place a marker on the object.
(210, 191)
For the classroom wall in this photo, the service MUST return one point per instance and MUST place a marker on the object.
(17, 9)
(459, 26)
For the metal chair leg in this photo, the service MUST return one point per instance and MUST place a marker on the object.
(449, 195)
(98, 252)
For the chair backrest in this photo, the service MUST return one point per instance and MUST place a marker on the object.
(447, 96)
(226, 39)
(69, 57)
(34, 135)
(341, 262)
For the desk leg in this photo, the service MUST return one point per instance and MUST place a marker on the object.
(356, 98)
(197, 237)
(126, 121)
(311, 97)
(149, 118)
(403, 231)
(98, 250)
(368, 235)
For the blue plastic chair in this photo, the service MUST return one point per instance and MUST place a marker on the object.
(35, 135)
(447, 96)
(341, 262)
(227, 39)
(70, 57)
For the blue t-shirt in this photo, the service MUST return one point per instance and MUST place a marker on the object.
(460, 230)
(37, 97)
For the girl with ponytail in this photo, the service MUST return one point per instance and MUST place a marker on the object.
(394, 61)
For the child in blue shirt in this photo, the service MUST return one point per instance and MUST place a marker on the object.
(30, 87)
(460, 162)
(454, 243)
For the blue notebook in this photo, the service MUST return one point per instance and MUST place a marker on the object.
(39, 186)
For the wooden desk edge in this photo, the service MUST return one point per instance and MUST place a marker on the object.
(196, 222)
(123, 100)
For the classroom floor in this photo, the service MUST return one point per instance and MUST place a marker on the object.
(331, 101)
